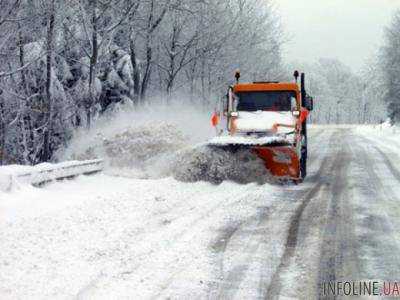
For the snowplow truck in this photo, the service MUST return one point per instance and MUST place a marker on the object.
(269, 119)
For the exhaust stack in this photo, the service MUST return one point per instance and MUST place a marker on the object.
(303, 89)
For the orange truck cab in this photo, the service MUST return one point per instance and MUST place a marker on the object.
(270, 118)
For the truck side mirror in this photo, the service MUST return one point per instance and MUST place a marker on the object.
(224, 104)
(293, 104)
(309, 103)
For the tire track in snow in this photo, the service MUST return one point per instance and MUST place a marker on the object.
(395, 172)
(379, 237)
(339, 259)
(229, 283)
(187, 225)
(346, 251)
(275, 285)
(327, 165)
(201, 218)
(315, 133)
(230, 230)
(222, 242)
(231, 280)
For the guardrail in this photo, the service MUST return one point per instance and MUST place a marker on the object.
(43, 173)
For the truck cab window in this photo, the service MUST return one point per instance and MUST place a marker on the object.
(265, 101)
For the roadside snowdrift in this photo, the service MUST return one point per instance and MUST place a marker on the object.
(139, 152)
(154, 144)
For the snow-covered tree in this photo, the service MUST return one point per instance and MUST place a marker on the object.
(63, 63)
(373, 108)
(390, 60)
(341, 96)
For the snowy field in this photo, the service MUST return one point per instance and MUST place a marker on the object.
(137, 236)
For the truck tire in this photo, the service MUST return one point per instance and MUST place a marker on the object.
(303, 163)
(304, 152)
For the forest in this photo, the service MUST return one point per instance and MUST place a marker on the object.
(64, 64)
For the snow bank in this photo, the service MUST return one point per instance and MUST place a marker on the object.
(386, 129)
(135, 151)
(139, 142)
(192, 122)
(385, 134)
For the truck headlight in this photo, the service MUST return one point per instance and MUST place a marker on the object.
(295, 113)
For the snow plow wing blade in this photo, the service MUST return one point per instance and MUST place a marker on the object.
(281, 161)
(280, 158)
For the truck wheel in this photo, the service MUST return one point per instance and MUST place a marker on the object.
(303, 163)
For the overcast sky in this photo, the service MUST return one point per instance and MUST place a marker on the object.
(350, 30)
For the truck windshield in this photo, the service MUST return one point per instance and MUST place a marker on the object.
(269, 101)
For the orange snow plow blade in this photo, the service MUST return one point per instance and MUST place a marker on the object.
(281, 161)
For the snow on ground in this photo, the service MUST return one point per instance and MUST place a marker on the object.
(384, 134)
(143, 228)
(119, 235)
(110, 237)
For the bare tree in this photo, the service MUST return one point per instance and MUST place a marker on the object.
(63, 63)
(177, 49)
(153, 22)
(391, 67)
(51, 16)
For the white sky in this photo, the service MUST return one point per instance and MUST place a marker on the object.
(350, 30)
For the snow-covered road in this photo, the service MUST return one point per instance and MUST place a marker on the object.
(107, 237)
